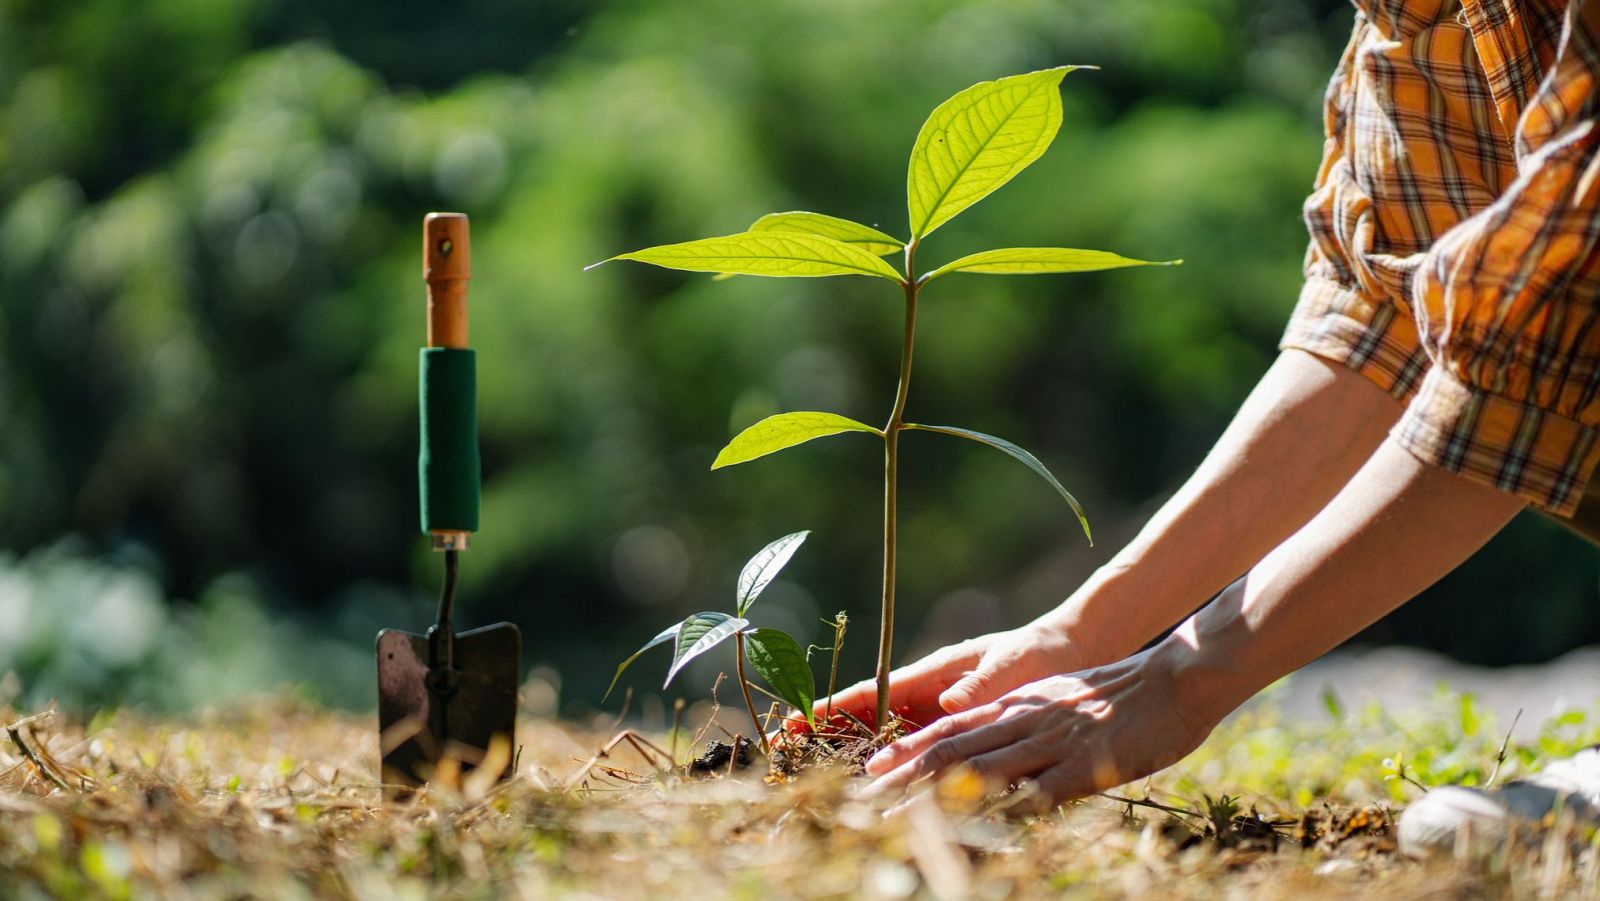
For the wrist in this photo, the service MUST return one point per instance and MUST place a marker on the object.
(1086, 620)
(1047, 650)
(1208, 680)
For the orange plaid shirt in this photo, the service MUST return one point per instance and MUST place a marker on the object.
(1455, 235)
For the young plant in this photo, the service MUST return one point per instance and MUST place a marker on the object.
(772, 652)
(971, 145)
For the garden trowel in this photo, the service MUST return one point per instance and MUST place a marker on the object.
(447, 702)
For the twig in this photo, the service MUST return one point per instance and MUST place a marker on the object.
(598, 756)
(839, 623)
(864, 727)
(770, 695)
(622, 775)
(677, 717)
(39, 717)
(627, 701)
(1153, 805)
(649, 750)
(744, 686)
(16, 738)
(1501, 757)
(716, 708)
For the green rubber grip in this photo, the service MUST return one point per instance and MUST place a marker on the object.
(447, 468)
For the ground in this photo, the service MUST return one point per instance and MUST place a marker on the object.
(279, 799)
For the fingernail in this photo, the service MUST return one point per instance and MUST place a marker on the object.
(878, 763)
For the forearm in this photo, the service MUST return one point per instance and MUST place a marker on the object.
(1394, 530)
(1303, 432)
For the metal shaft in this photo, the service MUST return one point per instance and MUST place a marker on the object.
(447, 603)
(442, 675)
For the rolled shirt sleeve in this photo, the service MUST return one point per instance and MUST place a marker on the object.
(1349, 311)
(1507, 303)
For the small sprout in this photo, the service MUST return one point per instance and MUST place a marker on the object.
(774, 654)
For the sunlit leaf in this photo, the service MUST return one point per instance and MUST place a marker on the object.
(775, 254)
(1027, 459)
(1040, 260)
(666, 635)
(782, 662)
(759, 572)
(977, 141)
(700, 633)
(863, 236)
(844, 230)
(785, 430)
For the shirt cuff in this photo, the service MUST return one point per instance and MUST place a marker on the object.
(1375, 338)
(1543, 458)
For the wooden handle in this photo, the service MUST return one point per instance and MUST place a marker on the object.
(446, 266)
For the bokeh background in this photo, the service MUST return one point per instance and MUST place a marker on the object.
(209, 217)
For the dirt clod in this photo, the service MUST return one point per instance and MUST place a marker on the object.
(714, 762)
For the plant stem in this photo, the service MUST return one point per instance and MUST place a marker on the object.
(744, 686)
(839, 622)
(891, 472)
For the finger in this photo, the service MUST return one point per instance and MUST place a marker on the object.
(917, 742)
(948, 752)
(949, 734)
(974, 688)
(1076, 777)
(1015, 762)
(916, 686)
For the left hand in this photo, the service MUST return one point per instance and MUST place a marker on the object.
(1073, 735)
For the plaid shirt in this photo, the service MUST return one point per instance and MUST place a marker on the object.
(1454, 227)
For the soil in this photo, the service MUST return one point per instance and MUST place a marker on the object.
(720, 757)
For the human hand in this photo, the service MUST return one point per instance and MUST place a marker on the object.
(963, 675)
(1072, 735)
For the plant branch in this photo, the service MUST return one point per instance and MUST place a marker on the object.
(744, 686)
(1500, 758)
(38, 764)
(839, 622)
(769, 695)
(1153, 805)
(891, 472)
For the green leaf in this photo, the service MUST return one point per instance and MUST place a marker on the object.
(1027, 459)
(776, 254)
(785, 430)
(863, 236)
(666, 635)
(782, 662)
(700, 633)
(759, 572)
(977, 141)
(1040, 260)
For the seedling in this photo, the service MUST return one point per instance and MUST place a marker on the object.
(838, 624)
(971, 145)
(772, 652)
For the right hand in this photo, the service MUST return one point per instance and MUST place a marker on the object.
(964, 675)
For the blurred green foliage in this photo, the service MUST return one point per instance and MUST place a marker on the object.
(208, 253)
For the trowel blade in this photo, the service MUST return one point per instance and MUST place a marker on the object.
(483, 705)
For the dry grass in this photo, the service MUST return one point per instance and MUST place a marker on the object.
(279, 800)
